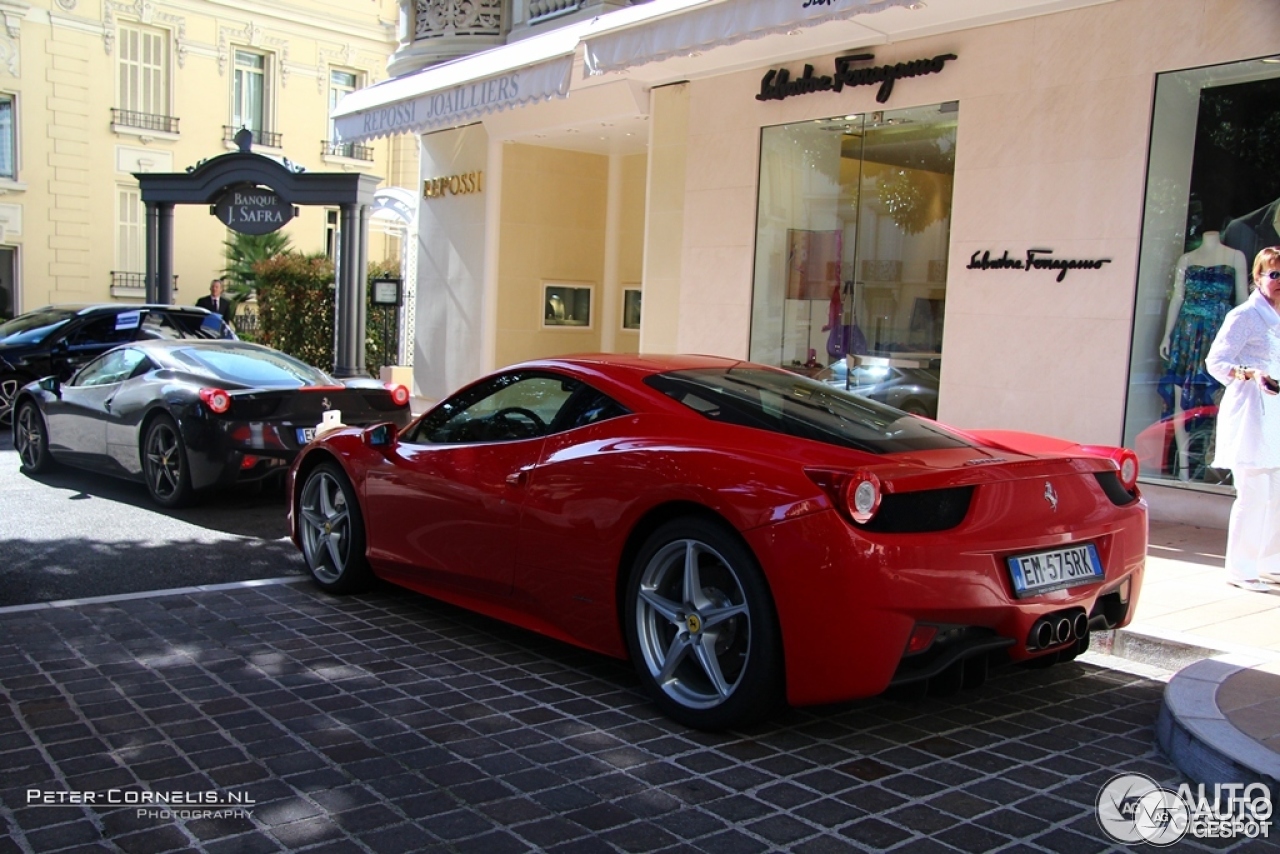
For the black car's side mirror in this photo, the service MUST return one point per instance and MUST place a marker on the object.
(380, 435)
(52, 385)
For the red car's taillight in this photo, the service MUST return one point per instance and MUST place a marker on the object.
(862, 496)
(856, 494)
(216, 399)
(1128, 462)
(399, 394)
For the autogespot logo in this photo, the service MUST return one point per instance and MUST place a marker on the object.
(1133, 808)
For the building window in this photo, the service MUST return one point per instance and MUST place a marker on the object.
(853, 229)
(143, 92)
(332, 232)
(249, 95)
(130, 235)
(341, 84)
(1213, 200)
(8, 138)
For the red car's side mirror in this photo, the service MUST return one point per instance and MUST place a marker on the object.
(379, 435)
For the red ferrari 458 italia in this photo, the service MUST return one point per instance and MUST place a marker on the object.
(746, 536)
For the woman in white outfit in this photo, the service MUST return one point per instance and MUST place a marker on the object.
(1245, 357)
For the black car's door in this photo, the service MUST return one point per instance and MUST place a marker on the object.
(79, 416)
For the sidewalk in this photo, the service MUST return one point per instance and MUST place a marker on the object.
(1221, 716)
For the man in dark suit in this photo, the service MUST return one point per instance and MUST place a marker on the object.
(217, 303)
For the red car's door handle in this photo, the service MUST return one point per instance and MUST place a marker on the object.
(519, 477)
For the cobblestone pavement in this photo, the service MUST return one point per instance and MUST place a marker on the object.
(390, 722)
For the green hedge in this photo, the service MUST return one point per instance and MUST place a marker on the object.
(296, 310)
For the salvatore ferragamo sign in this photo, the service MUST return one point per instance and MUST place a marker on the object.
(777, 83)
(1035, 259)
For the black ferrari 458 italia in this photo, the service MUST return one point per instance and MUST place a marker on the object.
(186, 415)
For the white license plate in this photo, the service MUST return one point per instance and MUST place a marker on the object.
(1041, 572)
(306, 434)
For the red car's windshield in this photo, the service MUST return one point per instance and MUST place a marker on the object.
(796, 406)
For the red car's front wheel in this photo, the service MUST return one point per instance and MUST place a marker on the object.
(332, 531)
(701, 627)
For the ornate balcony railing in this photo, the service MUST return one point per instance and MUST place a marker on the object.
(143, 121)
(545, 10)
(132, 285)
(433, 19)
(346, 149)
(265, 138)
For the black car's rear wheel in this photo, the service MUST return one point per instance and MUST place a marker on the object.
(31, 439)
(9, 385)
(701, 627)
(332, 530)
(164, 464)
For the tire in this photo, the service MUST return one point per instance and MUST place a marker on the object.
(31, 439)
(707, 648)
(332, 532)
(164, 465)
(9, 385)
(916, 408)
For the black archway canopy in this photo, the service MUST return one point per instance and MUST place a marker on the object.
(206, 183)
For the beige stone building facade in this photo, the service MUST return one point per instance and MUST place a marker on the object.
(93, 91)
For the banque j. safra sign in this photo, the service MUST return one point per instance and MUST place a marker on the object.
(252, 210)
(777, 83)
(1034, 259)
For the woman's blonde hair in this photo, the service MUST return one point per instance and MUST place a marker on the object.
(1266, 259)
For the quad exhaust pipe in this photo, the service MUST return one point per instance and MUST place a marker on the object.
(1059, 628)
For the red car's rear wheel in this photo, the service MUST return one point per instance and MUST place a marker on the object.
(701, 627)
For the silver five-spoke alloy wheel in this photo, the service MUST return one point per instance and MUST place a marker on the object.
(332, 531)
(9, 385)
(693, 624)
(30, 439)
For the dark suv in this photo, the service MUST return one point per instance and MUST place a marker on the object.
(58, 339)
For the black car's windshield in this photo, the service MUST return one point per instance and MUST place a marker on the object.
(244, 364)
(796, 406)
(34, 326)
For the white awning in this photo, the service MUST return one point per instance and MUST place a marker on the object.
(449, 94)
(716, 24)
(535, 69)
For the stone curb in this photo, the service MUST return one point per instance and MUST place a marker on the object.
(1199, 739)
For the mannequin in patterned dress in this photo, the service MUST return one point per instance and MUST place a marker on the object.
(1208, 281)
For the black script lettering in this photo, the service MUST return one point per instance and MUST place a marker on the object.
(777, 84)
(1004, 262)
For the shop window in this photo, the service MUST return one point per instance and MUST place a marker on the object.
(566, 305)
(631, 308)
(1213, 200)
(853, 229)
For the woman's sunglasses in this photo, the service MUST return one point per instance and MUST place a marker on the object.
(1271, 274)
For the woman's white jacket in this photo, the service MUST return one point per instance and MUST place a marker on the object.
(1248, 433)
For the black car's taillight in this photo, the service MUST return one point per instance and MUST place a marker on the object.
(216, 399)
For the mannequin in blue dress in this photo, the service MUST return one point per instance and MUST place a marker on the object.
(1208, 281)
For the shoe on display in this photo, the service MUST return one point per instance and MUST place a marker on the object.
(1252, 584)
